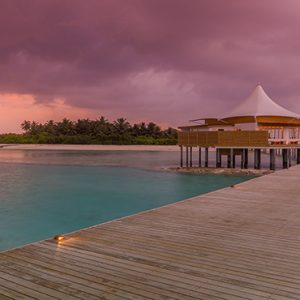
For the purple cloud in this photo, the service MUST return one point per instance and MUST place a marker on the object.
(168, 60)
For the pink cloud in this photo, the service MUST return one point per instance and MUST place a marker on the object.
(16, 108)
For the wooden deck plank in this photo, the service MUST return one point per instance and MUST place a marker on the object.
(237, 243)
(188, 267)
(157, 279)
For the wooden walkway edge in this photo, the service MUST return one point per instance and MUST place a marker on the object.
(241, 242)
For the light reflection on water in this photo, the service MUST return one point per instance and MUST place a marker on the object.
(138, 159)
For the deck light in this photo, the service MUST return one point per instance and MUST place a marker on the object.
(59, 238)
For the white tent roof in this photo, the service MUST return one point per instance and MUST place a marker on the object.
(259, 104)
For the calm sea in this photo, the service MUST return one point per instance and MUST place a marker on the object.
(44, 193)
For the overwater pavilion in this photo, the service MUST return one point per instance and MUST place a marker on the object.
(257, 123)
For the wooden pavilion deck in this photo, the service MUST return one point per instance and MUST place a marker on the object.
(240, 242)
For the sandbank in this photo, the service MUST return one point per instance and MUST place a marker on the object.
(166, 148)
(227, 171)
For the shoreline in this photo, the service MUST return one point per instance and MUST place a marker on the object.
(64, 147)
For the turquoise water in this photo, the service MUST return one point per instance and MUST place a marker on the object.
(39, 200)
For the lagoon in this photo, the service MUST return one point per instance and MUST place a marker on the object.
(44, 193)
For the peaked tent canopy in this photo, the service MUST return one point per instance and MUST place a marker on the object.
(259, 104)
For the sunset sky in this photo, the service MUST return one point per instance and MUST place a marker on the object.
(166, 61)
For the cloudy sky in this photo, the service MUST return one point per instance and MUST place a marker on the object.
(166, 61)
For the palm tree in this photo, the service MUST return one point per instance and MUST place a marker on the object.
(26, 126)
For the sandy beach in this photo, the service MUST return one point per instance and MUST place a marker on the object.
(48, 147)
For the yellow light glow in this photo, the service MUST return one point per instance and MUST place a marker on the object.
(59, 238)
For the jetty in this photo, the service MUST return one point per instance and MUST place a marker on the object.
(240, 242)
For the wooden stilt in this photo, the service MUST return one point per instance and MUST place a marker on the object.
(181, 156)
(257, 158)
(243, 159)
(191, 157)
(218, 158)
(233, 159)
(187, 157)
(206, 157)
(298, 156)
(290, 157)
(284, 159)
(199, 161)
(294, 156)
(246, 159)
(230, 159)
(272, 159)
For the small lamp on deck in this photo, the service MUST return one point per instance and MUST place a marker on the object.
(59, 237)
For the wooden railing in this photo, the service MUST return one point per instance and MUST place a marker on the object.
(223, 138)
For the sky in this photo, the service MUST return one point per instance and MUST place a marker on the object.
(166, 61)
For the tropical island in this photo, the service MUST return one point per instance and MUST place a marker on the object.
(88, 132)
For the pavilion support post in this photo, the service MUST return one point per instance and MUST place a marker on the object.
(187, 157)
(290, 157)
(233, 160)
(272, 159)
(246, 159)
(199, 160)
(294, 153)
(181, 156)
(228, 161)
(206, 157)
(257, 159)
(298, 156)
(218, 158)
(284, 158)
(243, 159)
(191, 157)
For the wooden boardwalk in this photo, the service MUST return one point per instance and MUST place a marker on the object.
(241, 242)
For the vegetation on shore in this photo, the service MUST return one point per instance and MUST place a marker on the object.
(86, 131)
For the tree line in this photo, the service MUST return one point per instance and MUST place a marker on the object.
(86, 131)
